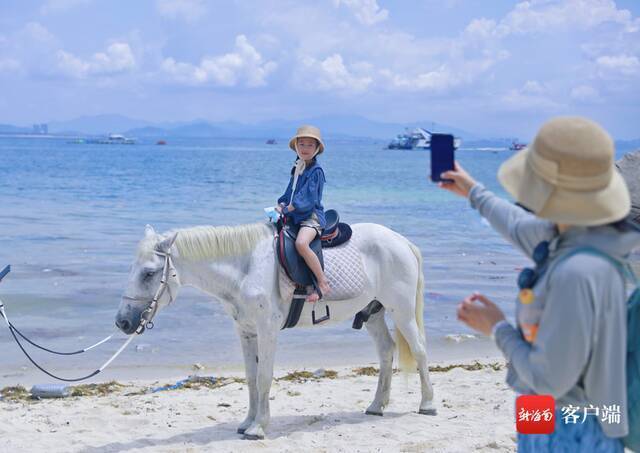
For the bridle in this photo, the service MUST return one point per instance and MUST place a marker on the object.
(168, 271)
(146, 318)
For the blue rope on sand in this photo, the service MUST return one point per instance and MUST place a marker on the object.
(177, 385)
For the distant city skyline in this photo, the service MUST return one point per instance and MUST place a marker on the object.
(500, 68)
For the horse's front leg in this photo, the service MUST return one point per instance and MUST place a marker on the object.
(249, 343)
(267, 338)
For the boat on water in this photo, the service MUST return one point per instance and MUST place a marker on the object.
(419, 138)
(271, 141)
(112, 139)
(161, 142)
(401, 141)
(517, 146)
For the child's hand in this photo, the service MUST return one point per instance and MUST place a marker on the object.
(279, 209)
(290, 208)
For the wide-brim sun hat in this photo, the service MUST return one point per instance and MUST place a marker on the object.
(567, 175)
(309, 132)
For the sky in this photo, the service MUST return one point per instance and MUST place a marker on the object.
(496, 68)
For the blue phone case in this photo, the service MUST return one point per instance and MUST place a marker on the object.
(441, 155)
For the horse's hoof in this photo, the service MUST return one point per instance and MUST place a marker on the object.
(428, 412)
(253, 437)
(379, 414)
(240, 430)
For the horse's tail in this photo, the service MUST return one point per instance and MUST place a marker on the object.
(405, 357)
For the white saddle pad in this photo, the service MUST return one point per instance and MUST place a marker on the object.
(344, 269)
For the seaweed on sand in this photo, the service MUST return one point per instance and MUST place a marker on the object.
(102, 389)
(15, 393)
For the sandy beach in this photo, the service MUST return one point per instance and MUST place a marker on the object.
(311, 410)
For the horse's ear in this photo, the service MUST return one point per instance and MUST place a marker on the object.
(149, 231)
(166, 244)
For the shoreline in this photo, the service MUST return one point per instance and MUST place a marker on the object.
(145, 362)
(324, 413)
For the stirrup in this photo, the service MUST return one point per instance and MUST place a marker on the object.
(324, 318)
(313, 310)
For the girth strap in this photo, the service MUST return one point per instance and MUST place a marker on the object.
(297, 304)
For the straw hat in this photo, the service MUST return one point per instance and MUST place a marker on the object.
(567, 175)
(307, 131)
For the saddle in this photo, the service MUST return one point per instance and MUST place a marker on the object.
(334, 234)
(294, 266)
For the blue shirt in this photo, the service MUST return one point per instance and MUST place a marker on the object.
(307, 197)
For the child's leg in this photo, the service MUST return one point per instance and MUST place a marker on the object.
(305, 236)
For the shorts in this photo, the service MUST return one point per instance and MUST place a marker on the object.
(312, 222)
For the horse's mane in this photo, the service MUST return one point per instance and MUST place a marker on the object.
(210, 242)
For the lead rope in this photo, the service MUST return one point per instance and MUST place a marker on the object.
(25, 338)
(13, 331)
(145, 322)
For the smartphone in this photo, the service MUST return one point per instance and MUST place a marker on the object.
(441, 156)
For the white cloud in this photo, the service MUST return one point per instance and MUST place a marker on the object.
(481, 28)
(36, 33)
(449, 75)
(332, 74)
(533, 96)
(53, 6)
(398, 60)
(585, 93)
(9, 65)
(32, 48)
(606, 35)
(437, 80)
(184, 72)
(515, 101)
(533, 87)
(626, 65)
(367, 12)
(243, 64)
(544, 15)
(188, 10)
(539, 15)
(118, 58)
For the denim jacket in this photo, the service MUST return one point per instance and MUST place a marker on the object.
(307, 198)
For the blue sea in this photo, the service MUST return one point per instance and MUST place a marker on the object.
(71, 216)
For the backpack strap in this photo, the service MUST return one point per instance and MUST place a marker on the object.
(624, 267)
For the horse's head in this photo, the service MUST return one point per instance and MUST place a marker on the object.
(152, 277)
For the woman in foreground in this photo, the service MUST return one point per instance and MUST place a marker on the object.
(570, 339)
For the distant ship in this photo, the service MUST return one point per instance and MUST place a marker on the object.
(417, 138)
(272, 141)
(516, 146)
(113, 139)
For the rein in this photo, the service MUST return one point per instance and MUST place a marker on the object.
(146, 321)
(14, 330)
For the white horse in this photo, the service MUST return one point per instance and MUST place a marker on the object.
(238, 266)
